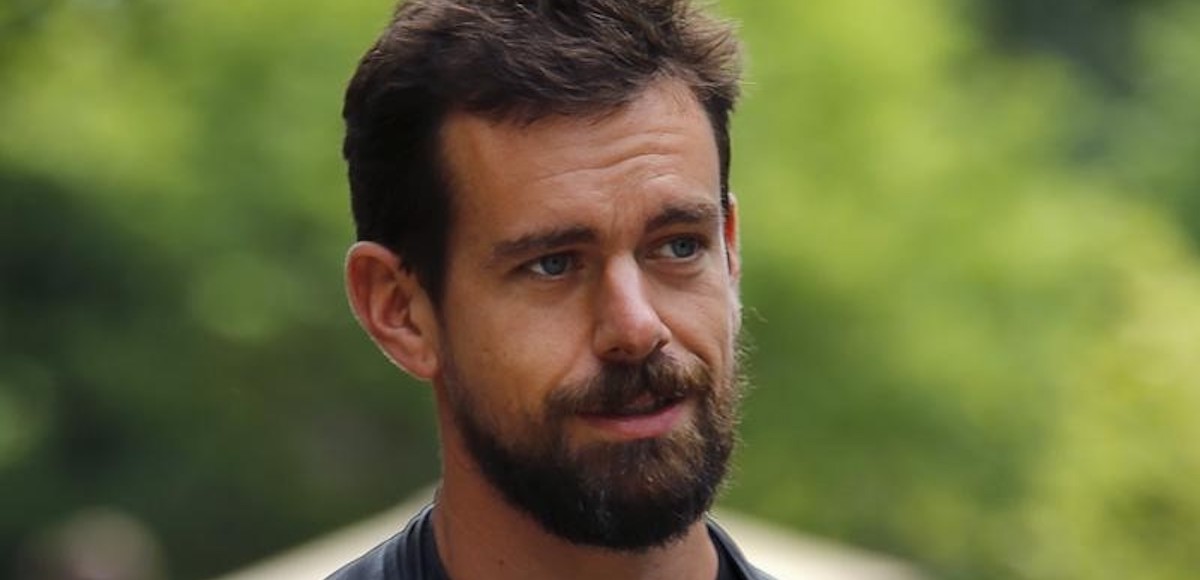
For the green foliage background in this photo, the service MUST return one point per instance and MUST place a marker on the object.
(970, 230)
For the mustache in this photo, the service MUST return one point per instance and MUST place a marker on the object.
(617, 386)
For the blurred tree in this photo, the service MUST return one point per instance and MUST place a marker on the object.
(1151, 140)
(935, 269)
(971, 280)
(173, 343)
(1097, 35)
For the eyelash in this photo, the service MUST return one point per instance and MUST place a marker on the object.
(572, 259)
(699, 244)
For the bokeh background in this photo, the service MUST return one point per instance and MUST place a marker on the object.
(970, 231)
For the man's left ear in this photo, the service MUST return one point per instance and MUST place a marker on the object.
(733, 257)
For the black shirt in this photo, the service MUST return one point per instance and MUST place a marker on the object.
(412, 555)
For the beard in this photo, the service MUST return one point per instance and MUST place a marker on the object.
(622, 495)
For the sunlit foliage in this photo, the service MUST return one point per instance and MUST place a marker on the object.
(972, 287)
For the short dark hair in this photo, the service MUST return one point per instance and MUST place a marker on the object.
(509, 60)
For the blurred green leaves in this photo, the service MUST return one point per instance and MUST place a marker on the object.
(973, 301)
(173, 335)
(971, 280)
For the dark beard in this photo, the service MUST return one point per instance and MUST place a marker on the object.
(632, 495)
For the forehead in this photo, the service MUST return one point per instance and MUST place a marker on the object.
(659, 148)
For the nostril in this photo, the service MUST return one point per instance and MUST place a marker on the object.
(628, 324)
(637, 346)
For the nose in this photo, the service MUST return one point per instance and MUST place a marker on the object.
(628, 326)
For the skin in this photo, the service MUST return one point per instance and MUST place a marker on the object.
(572, 246)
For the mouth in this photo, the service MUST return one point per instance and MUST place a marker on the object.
(645, 417)
(644, 405)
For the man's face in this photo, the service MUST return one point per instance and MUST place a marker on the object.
(590, 314)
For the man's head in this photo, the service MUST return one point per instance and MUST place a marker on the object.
(510, 60)
(541, 193)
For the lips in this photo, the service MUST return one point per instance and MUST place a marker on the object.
(625, 402)
(645, 404)
(647, 416)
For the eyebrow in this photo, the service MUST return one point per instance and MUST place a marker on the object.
(541, 242)
(552, 239)
(686, 214)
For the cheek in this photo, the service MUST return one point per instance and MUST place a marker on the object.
(512, 358)
(706, 322)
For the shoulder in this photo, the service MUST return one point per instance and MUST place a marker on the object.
(404, 556)
(737, 559)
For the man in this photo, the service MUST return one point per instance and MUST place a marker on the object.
(546, 234)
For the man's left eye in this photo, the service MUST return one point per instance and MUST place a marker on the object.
(681, 247)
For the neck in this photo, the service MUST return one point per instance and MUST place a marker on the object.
(479, 535)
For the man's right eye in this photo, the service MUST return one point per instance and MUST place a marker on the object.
(552, 265)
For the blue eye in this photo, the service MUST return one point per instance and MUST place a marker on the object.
(683, 247)
(552, 265)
